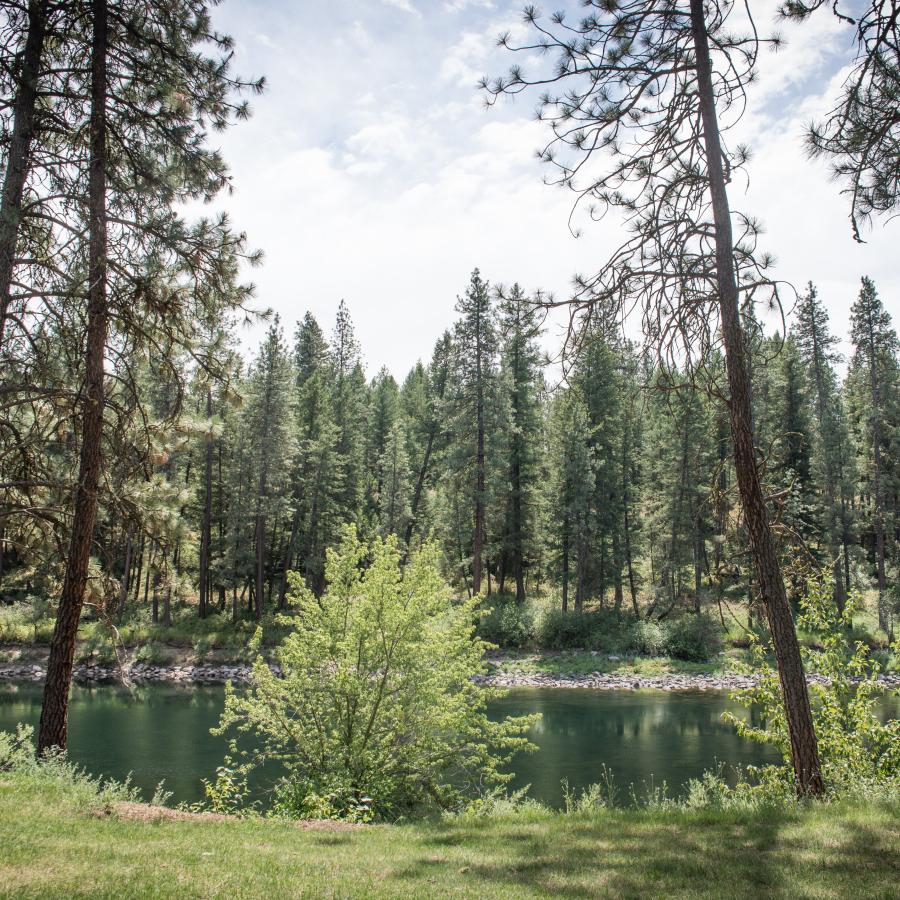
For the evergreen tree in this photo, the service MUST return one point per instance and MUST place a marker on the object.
(472, 409)
(424, 398)
(522, 387)
(830, 439)
(875, 362)
(269, 413)
(570, 490)
(318, 477)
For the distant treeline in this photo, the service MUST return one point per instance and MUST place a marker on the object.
(615, 486)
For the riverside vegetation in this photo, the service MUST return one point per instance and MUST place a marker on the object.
(682, 499)
(495, 843)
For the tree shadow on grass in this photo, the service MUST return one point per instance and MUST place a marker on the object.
(709, 854)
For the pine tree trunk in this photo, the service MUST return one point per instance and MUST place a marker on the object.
(206, 528)
(618, 594)
(804, 748)
(140, 570)
(840, 596)
(565, 570)
(126, 579)
(420, 484)
(478, 547)
(288, 558)
(55, 710)
(17, 161)
(260, 564)
(877, 482)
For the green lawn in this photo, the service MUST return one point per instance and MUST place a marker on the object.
(55, 846)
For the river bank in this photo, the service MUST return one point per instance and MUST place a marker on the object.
(610, 673)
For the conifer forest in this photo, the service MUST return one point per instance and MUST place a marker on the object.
(685, 465)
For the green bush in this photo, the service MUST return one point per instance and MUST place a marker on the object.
(857, 752)
(375, 711)
(599, 629)
(647, 637)
(693, 638)
(506, 623)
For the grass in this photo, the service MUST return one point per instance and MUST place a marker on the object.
(55, 845)
(579, 662)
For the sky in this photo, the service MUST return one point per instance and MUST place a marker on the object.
(371, 170)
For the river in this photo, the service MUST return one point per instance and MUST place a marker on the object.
(161, 732)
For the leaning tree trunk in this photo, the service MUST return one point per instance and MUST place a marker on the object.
(804, 748)
(17, 162)
(55, 709)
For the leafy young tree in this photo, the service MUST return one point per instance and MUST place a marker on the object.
(375, 705)
(648, 82)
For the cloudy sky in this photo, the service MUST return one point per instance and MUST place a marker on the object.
(371, 170)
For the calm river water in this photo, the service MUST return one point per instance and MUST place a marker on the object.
(162, 732)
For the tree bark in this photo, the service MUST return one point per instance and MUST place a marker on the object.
(804, 747)
(17, 162)
(877, 480)
(54, 712)
(126, 578)
(206, 529)
(478, 543)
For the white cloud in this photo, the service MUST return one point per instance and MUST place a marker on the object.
(460, 5)
(404, 5)
(382, 179)
(464, 63)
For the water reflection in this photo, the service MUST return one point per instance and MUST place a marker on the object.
(161, 732)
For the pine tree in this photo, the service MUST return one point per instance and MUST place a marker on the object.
(318, 476)
(670, 177)
(393, 480)
(472, 403)
(423, 398)
(522, 387)
(830, 443)
(350, 405)
(874, 360)
(271, 445)
(570, 490)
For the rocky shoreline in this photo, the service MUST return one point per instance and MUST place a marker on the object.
(217, 673)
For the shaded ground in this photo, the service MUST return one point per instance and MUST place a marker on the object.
(53, 846)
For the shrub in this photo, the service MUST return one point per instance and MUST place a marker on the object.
(375, 705)
(506, 623)
(857, 751)
(693, 638)
(647, 637)
(599, 629)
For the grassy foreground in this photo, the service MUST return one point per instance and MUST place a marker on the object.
(55, 845)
